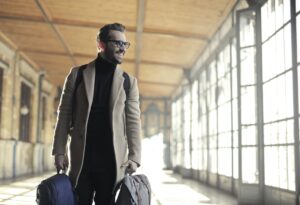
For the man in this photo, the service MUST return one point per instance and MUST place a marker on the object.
(102, 120)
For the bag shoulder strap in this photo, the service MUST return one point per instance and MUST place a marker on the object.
(79, 77)
(126, 84)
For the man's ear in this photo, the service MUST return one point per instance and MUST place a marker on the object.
(101, 46)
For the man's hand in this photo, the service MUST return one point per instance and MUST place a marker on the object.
(131, 166)
(61, 162)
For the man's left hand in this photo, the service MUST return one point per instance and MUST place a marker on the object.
(131, 166)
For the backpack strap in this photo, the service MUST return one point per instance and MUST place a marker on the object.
(126, 84)
(79, 77)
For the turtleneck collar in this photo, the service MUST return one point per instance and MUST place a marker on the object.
(102, 64)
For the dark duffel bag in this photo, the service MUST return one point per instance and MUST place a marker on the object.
(56, 190)
(132, 190)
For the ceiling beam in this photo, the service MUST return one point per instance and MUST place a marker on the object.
(139, 33)
(82, 55)
(87, 24)
(177, 34)
(48, 19)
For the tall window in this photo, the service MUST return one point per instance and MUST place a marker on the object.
(223, 96)
(195, 126)
(212, 116)
(187, 128)
(25, 112)
(1, 90)
(248, 100)
(203, 146)
(278, 95)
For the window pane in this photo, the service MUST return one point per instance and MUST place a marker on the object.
(224, 118)
(249, 135)
(277, 54)
(298, 38)
(248, 105)
(248, 66)
(279, 133)
(279, 167)
(225, 161)
(224, 89)
(268, 20)
(287, 10)
(278, 98)
(287, 47)
(297, 6)
(235, 163)
(187, 124)
(249, 165)
(213, 160)
(213, 122)
(247, 29)
(278, 14)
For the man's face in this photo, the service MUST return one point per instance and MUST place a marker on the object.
(111, 50)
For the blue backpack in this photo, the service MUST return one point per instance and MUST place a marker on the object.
(56, 190)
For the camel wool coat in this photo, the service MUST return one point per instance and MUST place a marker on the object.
(125, 127)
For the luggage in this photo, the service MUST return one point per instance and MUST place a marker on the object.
(56, 190)
(132, 190)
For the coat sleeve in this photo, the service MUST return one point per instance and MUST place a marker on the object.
(64, 115)
(133, 123)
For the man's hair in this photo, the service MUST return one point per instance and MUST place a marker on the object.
(103, 34)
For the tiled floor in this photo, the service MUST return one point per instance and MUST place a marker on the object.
(167, 189)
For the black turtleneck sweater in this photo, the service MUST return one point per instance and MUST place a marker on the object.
(99, 154)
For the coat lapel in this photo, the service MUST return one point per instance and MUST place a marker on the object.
(89, 81)
(116, 87)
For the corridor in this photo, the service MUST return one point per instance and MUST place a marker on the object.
(216, 83)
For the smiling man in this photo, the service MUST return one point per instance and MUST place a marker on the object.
(102, 119)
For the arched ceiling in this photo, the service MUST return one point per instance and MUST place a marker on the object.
(166, 36)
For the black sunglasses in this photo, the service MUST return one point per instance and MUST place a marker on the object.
(120, 44)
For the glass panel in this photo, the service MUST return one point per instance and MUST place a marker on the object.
(280, 167)
(298, 38)
(223, 63)
(249, 135)
(211, 73)
(248, 105)
(279, 133)
(278, 14)
(268, 19)
(224, 89)
(225, 161)
(271, 166)
(224, 118)
(187, 122)
(213, 160)
(287, 10)
(234, 83)
(277, 56)
(278, 98)
(235, 163)
(233, 53)
(195, 128)
(213, 122)
(248, 66)
(211, 97)
(235, 114)
(224, 140)
(291, 168)
(287, 47)
(249, 165)
(297, 5)
(247, 29)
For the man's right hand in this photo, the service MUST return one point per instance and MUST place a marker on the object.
(61, 162)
